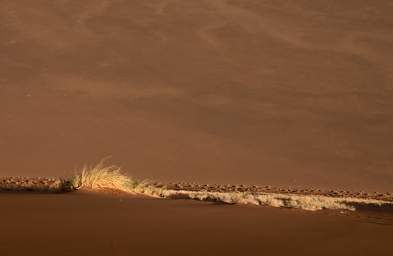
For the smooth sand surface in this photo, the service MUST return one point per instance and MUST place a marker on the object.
(86, 224)
(219, 91)
(284, 93)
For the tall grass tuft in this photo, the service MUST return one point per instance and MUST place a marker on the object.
(104, 177)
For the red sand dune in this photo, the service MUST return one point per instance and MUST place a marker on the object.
(283, 93)
(220, 91)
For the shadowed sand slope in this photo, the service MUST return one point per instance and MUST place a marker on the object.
(85, 224)
(219, 91)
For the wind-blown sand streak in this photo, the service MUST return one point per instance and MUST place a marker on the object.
(110, 178)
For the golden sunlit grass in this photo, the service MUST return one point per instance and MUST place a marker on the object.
(101, 177)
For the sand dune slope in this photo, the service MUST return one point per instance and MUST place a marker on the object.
(219, 91)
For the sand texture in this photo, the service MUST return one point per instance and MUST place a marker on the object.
(23, 184)
(296, 95)
(87, 224)
(284, 93)
(269, 189)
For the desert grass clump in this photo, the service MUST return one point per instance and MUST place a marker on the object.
(104, 177)
(101, 177)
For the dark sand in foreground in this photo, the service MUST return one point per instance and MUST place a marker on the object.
(87, 224)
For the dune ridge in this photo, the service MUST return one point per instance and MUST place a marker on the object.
(101, 177)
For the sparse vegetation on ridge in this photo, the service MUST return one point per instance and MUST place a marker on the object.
(101, 177)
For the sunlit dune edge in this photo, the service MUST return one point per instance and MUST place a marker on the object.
(101, 178)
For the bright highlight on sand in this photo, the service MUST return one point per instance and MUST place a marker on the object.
(102, 177)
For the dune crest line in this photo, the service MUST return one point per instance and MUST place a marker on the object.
(102, 177)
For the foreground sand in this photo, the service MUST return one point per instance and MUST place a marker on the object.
(88, 224)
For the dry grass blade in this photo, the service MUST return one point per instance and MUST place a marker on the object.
(103, 177)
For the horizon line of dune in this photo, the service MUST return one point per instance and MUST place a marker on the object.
(102, 177)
